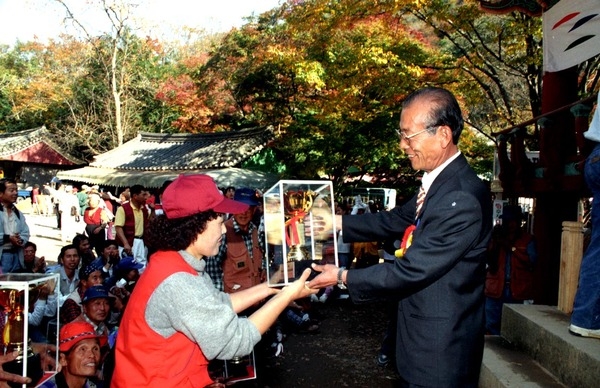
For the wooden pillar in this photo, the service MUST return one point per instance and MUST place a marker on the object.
(554, 205)
(571, 252)
(581, 113)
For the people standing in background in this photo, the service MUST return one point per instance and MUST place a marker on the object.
(96, 221)
(512, 255)
(13, 228)
(57, 194)
(35, 205)
(131, 220)
(47, 193)
(69, 214)
(110, 207)
(82, 197)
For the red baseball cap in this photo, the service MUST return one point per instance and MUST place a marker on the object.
(192, 194)
(73, 332)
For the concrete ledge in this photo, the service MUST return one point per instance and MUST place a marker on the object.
(542, 333)
(504, 366)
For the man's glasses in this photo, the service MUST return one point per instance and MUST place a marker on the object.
(407, 138)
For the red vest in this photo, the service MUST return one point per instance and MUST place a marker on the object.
(521, 272)
(143, 357)
(238, 267)
(129, 226)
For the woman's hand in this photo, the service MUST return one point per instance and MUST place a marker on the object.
(299, 288)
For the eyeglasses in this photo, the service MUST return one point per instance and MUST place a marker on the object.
(407, 138)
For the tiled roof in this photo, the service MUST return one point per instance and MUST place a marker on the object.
(35, 145)
(229, 176)
(156, 152)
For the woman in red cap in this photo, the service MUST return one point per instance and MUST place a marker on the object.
(79, 356)
(176, 320)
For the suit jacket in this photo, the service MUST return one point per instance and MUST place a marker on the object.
(440, 280)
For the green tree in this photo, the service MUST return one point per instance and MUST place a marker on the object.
(331, 79)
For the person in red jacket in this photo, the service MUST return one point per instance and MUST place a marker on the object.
(176, 320)
(512, 256)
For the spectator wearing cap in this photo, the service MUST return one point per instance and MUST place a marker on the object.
(238, 265)
(89, 276)
(131, 220)
(161, 324)
(96, 308)
(512, 255)
(80, 352)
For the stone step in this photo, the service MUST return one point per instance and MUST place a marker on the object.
(541, 333)
(505, 366)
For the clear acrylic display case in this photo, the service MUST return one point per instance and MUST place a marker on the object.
(240, 369)
(29, 325)
(299, 228)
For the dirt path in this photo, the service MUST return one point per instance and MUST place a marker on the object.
(341, 354)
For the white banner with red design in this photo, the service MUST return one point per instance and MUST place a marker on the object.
(571, 33)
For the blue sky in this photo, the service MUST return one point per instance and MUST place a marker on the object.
(24, 19)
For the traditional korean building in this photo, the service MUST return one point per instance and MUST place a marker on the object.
(33, 156)
(151, 158)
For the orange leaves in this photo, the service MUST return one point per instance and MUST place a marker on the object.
(183, 93)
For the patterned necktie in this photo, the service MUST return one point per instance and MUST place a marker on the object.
(420, 200)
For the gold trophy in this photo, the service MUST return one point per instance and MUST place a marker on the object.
(13, 333)
(297, 204)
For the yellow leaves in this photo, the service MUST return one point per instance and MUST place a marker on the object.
(311, 73)
(376, 55)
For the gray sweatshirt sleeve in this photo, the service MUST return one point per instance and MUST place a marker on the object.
(193, 306)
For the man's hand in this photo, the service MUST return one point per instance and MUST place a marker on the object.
(10, 377)
(16, 240)
(40, 265)
(327, 277)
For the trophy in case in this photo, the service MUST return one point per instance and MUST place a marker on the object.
(299, 228)
(19, 294)
(240, 369)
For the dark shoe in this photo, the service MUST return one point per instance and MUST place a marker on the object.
(383, 360)
(582, 332)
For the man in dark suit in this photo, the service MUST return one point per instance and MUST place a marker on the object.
(439, 281)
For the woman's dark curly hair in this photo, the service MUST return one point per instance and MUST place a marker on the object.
(164, 234)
